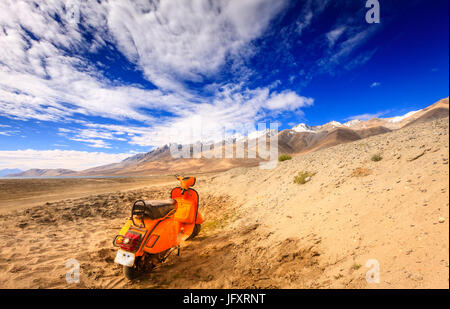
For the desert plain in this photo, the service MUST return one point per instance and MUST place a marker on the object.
(261, 229)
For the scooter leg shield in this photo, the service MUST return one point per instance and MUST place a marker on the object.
(199, 218)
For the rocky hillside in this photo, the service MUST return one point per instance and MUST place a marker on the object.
(384, 198)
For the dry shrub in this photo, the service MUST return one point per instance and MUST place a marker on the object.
(303, 177)
(284, 157)
(376, 158)
(361, 172)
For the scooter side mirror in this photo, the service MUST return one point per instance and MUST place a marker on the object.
(187, 182)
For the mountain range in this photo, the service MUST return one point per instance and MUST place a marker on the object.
(299, 139)
(9, 171)
(42, 173)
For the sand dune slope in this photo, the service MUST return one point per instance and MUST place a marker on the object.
(262, 230)
(394, 210)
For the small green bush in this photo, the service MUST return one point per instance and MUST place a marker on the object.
(356, 266)
(376, 158)
(284, 157)
(303, 177)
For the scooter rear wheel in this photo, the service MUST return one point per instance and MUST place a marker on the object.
(130, 272)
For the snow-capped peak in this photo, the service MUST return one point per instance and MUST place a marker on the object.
(335, 123)
(302, 127)
(258, 134)
(352, 123)
(400, 118)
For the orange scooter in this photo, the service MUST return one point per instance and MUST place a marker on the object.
(156, 228)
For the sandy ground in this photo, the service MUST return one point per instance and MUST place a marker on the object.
(262, 230)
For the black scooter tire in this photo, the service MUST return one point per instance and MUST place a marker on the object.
(130, 273)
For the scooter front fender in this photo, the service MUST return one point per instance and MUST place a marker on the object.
(199, 218)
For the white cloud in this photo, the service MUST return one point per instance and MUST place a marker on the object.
(335, 34)
(375, 84)
(170, 41)
(347, 46)
(287, 100)
(368, 116)
(232, 106)
(95, 143)
(305, 22)
(233, 109)
(92, 137)
(40, 80)
(186, 40)
(311, 9)
(69, 159)
(7, 130)
(343, 41)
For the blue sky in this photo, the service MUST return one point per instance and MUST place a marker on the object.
(84, 83)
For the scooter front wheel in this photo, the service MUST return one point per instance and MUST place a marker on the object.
(195, 232)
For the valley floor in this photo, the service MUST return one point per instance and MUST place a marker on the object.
(262, 230)
(28, 192)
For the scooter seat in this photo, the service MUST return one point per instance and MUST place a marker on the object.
(156, 209)
(160, 203)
